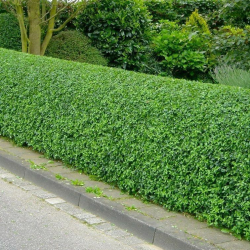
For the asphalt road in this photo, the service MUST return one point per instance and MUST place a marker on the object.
(27, 222)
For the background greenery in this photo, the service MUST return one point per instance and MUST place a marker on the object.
(74, 46)
(119, 28)
(10, 36)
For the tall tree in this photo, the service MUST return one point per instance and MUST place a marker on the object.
(35, 15)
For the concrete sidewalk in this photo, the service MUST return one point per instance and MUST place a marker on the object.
(152, 223)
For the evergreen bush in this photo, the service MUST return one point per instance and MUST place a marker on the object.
(74, 46)
(10, 36)
(120, 29)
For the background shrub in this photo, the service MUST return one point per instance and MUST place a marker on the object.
(180, 10)
(236, 13)
(181, 144)
(119, 28)
(161, 10)
(10, 36)
(197, 23)
(74, 46)
(181, 53)
(231, 45)
(2, 8)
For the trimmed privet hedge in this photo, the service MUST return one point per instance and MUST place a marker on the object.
(181, 144)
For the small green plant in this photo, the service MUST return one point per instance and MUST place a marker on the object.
(60, 177)
(37, 166)
(130, 208)
(93, 177)
(231, 75)
(77, 182)
(94, 190)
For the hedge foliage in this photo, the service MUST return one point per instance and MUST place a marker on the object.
(10, 36)
(181, 144)
(180, 10)
(119, 29)
(73, 45)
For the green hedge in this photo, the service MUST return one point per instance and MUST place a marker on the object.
(10, 36)
(181, 144)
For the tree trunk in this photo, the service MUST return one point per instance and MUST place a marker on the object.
(50, 28)
(20, 18)
(34, 26)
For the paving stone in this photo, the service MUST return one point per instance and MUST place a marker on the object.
(133, 202)
(29, 187)
(18, 150)
(130, 240)
(5, 144)
(11, 179)
(54, 200)
(117, 233)
(115, 194)
(106, 227)
(42, 194)
(84, 216)
(69, 208)
(235, 245)
(148, 247)
(93, 221)
(212, 235)
(21, 182)
(101, 185)
(3, 171)
(17, 181)
(32, 155)
(73, 175)
(39, 161)
(59, 169)
(157, 212)
(7, 175)
(185, 223)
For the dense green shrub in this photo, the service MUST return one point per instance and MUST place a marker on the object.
(119, 28)
(2, 8)
(182, 144)
(161, 10)
(10, 36)
(180, 10)
(236, 12)
(231, 46)
(74, 46)
(181, 53)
